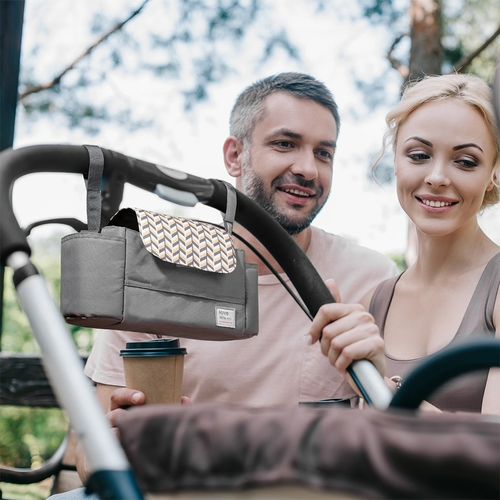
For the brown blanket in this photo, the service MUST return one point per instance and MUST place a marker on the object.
(367, 453)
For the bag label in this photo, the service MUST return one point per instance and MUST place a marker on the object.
(225, 318)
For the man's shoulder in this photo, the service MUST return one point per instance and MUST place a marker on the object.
(356, 269)
(345, 252)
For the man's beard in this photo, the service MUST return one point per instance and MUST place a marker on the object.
(253, 186)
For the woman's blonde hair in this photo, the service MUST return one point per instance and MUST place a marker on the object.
(469, 89)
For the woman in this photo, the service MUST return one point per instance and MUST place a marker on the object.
(447, 162)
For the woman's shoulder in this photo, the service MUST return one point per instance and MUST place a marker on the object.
(495, 262)
(383, 289)
(381, 295)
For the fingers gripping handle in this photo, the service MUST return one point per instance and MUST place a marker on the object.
(366, 377)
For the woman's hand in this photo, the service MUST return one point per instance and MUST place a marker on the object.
(348, 333)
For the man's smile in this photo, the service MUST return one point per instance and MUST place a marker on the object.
(296, 192)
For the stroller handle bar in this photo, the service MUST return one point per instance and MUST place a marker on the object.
(182, 188)
(75, 159)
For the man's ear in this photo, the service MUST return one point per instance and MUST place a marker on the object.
(233, 154)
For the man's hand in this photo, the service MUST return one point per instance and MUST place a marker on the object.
(121, 399)
(114, 401)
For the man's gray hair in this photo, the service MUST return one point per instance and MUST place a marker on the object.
(249, 109)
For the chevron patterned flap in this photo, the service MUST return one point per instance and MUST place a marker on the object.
(186, 242)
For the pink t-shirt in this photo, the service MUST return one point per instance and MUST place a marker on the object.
(276, 367)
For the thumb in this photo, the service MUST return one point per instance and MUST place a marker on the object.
(334, 289)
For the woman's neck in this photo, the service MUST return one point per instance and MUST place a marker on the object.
(452, 255)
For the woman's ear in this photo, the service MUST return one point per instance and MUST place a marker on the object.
(233, 153)
(493, 181)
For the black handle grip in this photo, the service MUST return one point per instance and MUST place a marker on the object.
(443, 366)
(75, 159)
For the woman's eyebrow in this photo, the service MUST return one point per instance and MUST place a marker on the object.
(423, 141)
(455, 148)
(468, 145)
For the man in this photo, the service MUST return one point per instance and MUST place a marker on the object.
(284, 132)
(283, 139)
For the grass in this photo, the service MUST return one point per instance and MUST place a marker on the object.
(36, 491)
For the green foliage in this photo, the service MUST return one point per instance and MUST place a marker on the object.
(39, 491)
(29, 436)
(16, 332)
(399, 259)
(383, 11)
(468, 23)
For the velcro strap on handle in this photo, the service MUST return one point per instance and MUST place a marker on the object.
(230, 207)
(94, 201)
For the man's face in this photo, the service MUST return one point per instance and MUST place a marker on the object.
(287, 168)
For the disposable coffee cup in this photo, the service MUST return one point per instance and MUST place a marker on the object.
(156, 368)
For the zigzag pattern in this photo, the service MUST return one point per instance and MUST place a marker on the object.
(186, 242)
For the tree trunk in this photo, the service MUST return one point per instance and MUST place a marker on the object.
(426, 58)
(426, 52)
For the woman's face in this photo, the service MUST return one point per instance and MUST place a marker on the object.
(444, 159)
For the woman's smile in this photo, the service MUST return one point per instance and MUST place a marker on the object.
(436, 204)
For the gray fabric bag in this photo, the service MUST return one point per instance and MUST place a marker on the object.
(154, 273)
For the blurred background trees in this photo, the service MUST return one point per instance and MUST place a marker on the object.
(198, 43)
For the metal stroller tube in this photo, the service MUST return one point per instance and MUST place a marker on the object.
(73, 389)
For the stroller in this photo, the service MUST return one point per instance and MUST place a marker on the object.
(397, 467)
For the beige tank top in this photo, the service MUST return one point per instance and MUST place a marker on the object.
(463, 393)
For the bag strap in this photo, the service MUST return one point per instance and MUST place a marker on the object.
(230, 207)
(94, 200)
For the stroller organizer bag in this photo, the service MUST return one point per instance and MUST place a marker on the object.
(154, 273)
